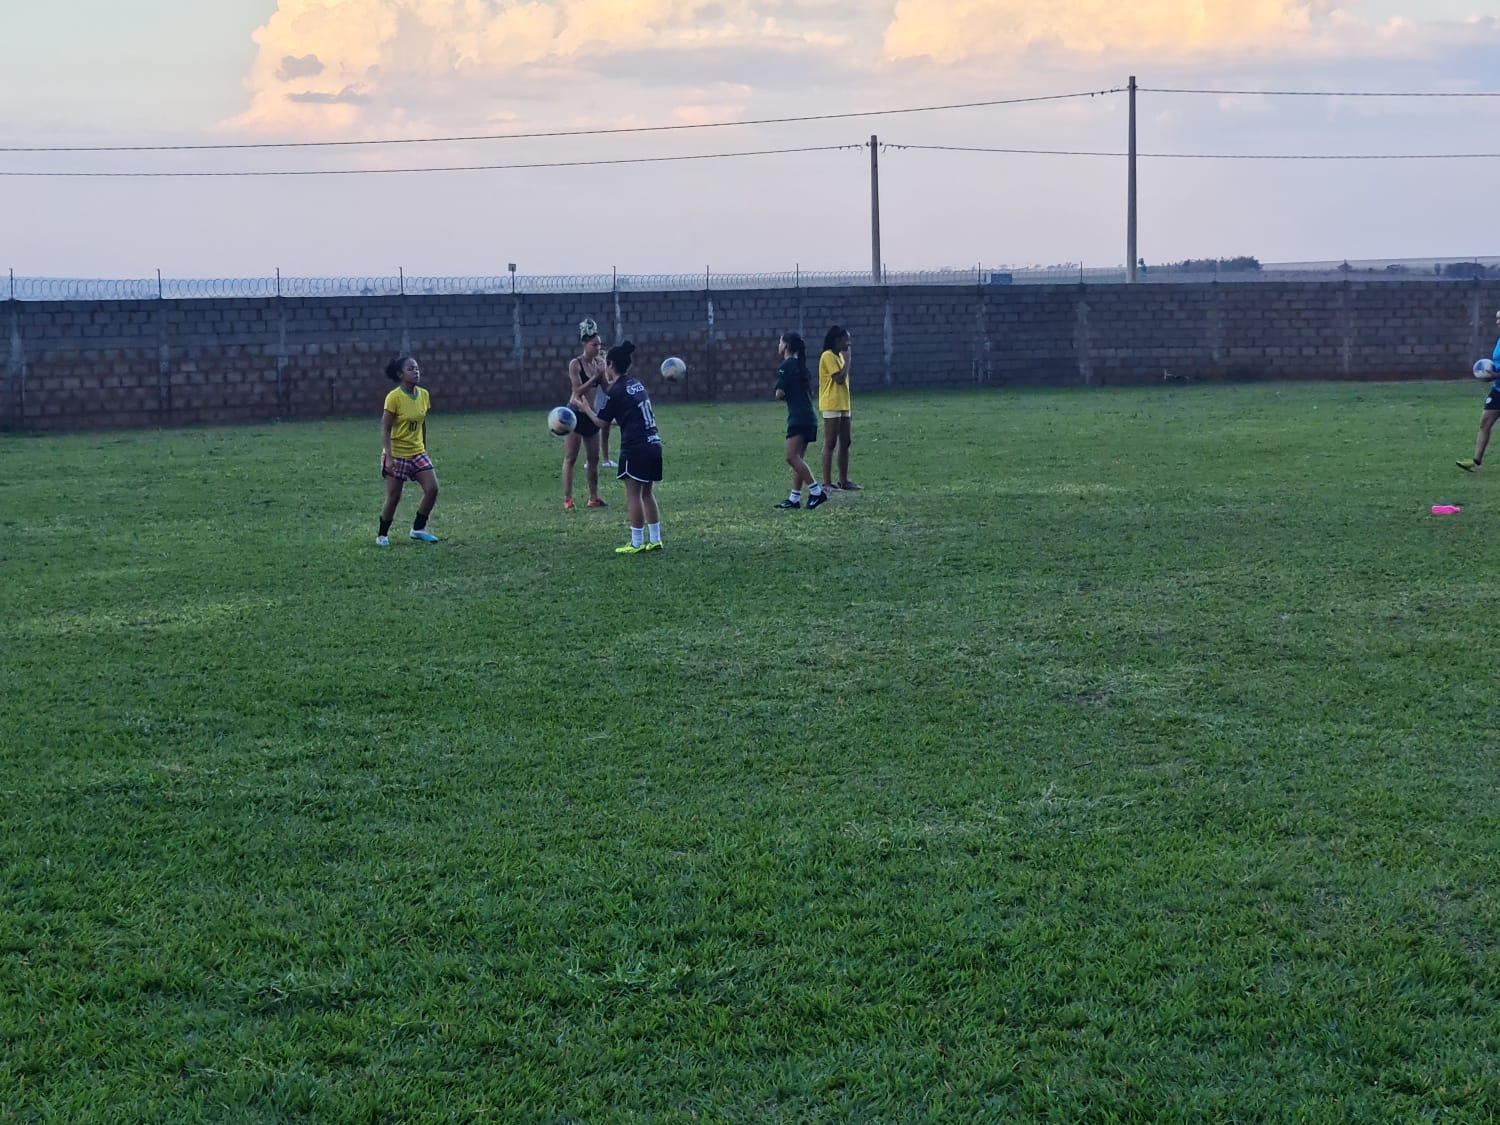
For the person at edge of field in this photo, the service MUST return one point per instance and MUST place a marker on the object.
(629, 406)
(403, 449)
(585, 372)
(833, 401)
(793, 386)
(1488, 415)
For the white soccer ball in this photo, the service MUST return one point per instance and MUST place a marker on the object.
(561, 420)
(1484, 369)
(673, 369)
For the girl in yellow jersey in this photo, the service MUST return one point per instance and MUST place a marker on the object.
(403, 449)
(833, 401)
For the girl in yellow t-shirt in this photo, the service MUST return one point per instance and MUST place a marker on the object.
(403, 449)
(833, 402)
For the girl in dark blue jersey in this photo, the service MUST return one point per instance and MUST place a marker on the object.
(628, 406)
(794, 387)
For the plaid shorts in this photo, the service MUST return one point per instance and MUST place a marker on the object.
(407, 468)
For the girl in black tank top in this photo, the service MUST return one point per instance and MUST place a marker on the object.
(586, 434)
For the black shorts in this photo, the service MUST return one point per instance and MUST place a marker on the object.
(585, 427)
(640, 462)
(1492, 400)
(808, 431)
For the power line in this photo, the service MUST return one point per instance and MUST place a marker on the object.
(1327, 93)
(571, 132)
(1209, 155)
(1015, 151)
(890, 146)
(446, 168)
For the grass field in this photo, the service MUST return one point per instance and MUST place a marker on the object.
(1115, 756)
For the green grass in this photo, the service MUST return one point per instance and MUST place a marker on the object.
(1116, 756)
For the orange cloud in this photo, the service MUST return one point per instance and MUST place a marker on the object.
(322, 65)
(951, 30)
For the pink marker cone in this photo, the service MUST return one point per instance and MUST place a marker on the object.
(1446, 509)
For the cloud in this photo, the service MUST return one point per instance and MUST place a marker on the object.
(294, 67)
(347, 96)
(388, 56)
(1171, 31)
(1181, 31)
(407, 67)
(951, 30)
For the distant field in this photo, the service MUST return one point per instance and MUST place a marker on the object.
(1115, 756)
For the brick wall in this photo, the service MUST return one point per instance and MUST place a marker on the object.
(92, 364)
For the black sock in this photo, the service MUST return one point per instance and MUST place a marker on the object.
(385, 528)
(420, 522)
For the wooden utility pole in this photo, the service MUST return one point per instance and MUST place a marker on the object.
(875, 270)
(1130, 253)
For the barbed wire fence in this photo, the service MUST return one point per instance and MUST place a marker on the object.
(21, 287)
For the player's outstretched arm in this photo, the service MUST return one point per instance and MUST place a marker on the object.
(580, 404)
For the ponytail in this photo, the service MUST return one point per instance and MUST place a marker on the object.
(798, 347)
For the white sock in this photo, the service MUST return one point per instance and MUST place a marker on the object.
(814, 488)
(796, 496)
(637, 535)
(656, 533)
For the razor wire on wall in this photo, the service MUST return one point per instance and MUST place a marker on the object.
(24, 288)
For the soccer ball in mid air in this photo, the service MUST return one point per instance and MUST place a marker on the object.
(561, 420)
(1484, 369)
(673, 369)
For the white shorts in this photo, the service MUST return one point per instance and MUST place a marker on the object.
(835, 414)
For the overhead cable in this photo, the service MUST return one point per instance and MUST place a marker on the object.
(565, 132)
(1206, 155)
(1326, 93)
(443, 168)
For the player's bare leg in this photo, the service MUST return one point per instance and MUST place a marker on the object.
(429, 482)
(1481, 443)
(635, 511)
(570, 458)
(801, 474)
(846, 439)
(392, 498)
(591, 469)
(388, 510)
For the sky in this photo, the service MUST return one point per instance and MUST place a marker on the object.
(237, 72)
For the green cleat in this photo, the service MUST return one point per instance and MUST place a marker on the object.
(1469, 466)
(657, 546)
(630, 549)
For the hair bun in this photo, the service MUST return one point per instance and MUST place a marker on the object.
(587, 328)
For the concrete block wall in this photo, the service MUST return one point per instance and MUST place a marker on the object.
(97, 364)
